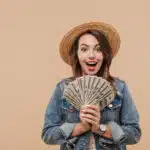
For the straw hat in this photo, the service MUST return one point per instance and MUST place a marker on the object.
(108, 30)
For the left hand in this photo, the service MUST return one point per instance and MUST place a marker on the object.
(91, 114)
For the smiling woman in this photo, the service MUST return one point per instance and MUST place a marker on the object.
(89, 49)
(89, 54)
(92, 50)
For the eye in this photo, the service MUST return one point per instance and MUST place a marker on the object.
(98, 49)
(83, 49)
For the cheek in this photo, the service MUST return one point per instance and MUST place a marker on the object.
(81, 57)
(100, 57)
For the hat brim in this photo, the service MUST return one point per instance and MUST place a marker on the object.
(108, 30)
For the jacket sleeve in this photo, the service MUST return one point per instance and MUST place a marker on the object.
(55, 131)
(129, 119)
(128, 131)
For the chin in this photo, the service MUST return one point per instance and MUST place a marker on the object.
(90, 73)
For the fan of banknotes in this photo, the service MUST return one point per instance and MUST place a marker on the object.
(88, 90)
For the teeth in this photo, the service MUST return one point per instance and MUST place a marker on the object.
(91, 63)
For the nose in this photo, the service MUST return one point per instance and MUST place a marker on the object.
(91, 54)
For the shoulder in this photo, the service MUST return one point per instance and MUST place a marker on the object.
(64, 82)
(119, 83)
(118, 80)
(60, 85)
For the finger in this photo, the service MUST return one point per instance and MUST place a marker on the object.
(88, 116)
(84, 121)
(94, 107)
(90, 121)
(90, 111)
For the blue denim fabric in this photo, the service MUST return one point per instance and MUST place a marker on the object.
(122, 117)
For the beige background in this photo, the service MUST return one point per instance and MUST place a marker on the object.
(30, 66)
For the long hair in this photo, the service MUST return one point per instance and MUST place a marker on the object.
(106, 51)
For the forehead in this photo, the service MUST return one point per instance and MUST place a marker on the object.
(88, 39)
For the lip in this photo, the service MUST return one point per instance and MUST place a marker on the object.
(91, 68)
(91, 61)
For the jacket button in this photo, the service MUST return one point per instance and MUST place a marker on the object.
(118, 93)
(110, 105)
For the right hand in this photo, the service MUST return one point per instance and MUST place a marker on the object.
(81, 127)
(85, 124)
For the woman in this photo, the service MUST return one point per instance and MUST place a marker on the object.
(89, 49)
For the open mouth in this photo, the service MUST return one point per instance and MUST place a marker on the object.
(91, 64)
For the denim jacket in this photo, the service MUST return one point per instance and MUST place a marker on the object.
(121, 115)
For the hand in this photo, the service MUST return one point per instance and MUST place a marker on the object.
(91, 115)
(84, 123)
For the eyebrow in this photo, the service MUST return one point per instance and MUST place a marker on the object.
(88, 45)
(84, 45)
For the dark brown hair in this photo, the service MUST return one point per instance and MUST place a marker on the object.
(106, 50)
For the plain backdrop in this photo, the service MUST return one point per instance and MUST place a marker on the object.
(30, 65)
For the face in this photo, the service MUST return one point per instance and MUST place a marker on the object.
(89, 54)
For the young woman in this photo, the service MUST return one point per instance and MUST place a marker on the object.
(89, 49)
